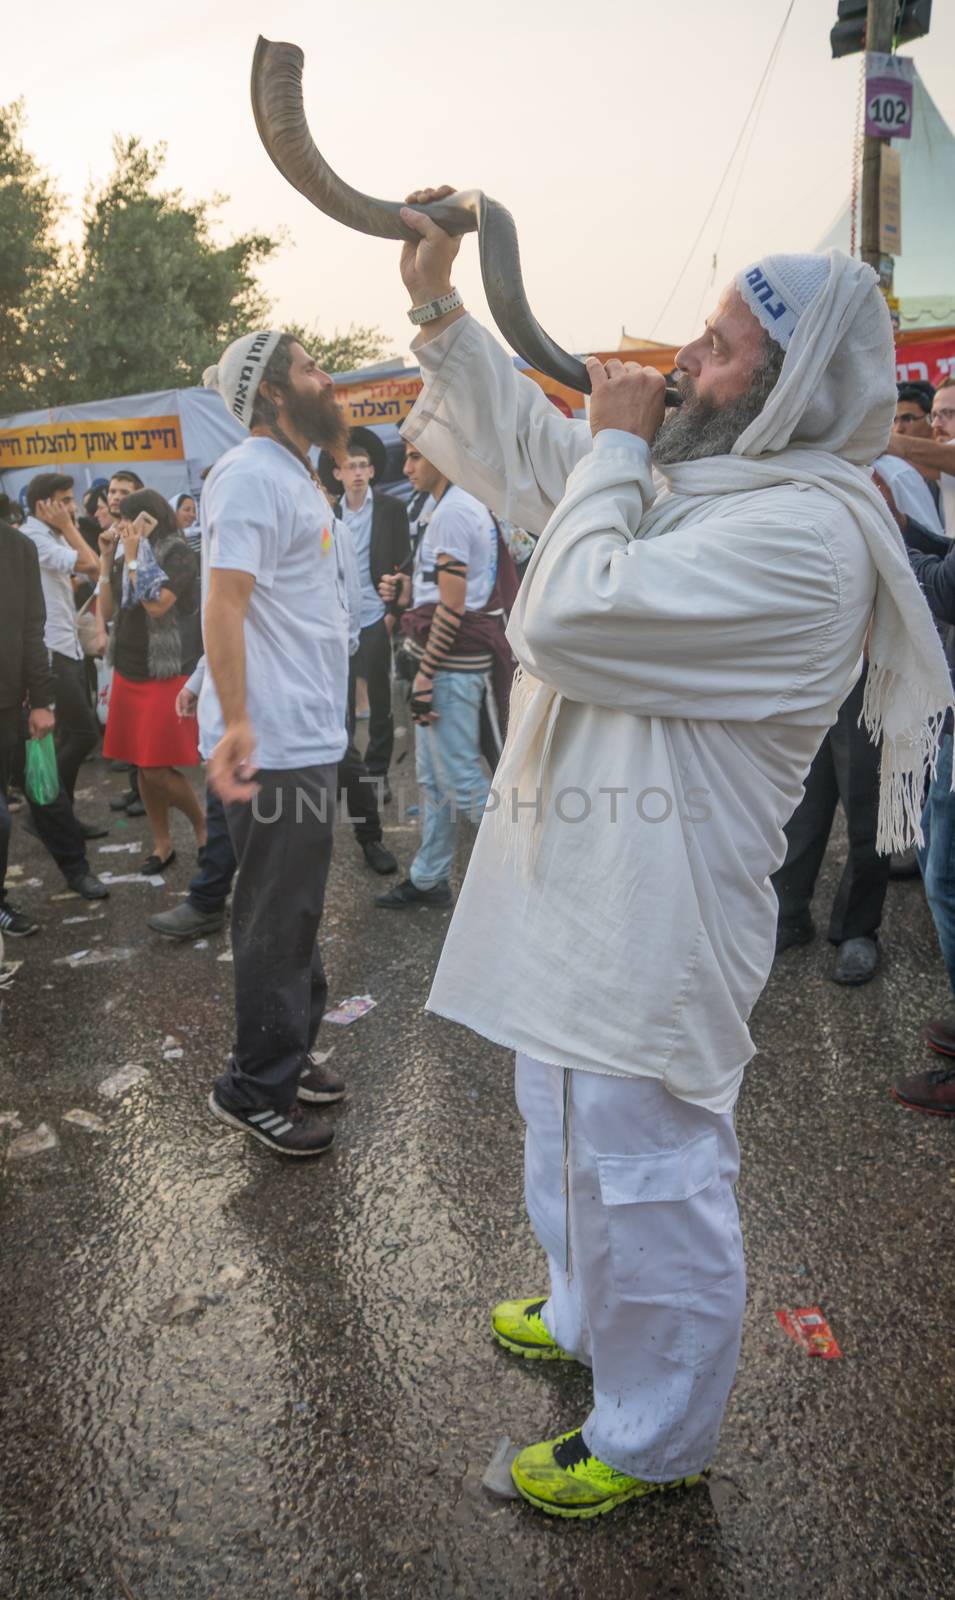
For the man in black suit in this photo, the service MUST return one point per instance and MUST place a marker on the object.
(378, 524)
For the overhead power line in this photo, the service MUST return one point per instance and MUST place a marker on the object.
(764, 77)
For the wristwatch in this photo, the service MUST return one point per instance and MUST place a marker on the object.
(435, 308)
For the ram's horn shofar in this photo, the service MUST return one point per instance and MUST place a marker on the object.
(280, 118)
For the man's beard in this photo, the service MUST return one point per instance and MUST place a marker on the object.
(318, 418)
(700, 429)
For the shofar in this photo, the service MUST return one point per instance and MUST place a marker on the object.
(280, 118)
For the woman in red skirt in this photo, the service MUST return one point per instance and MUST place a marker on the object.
(151, 592)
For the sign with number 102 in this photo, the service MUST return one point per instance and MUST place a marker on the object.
(888, 97)
(888, 112)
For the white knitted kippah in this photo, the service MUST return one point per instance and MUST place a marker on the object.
(240, 371)
(779, 289)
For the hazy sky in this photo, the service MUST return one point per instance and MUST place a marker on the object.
(603, 127)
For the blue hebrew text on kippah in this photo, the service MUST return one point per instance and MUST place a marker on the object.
(764, 292)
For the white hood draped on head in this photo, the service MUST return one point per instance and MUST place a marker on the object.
(827, 419)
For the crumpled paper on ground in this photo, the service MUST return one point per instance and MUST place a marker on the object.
(85, 1119)
(42, 1137)
(124, 1078)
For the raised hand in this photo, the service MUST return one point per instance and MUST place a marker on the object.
(426, 265)
(55, 515)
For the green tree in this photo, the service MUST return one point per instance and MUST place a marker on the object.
(358, 346)
(29, 256)
(149, 299)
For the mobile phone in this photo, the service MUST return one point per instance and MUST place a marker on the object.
(144, 524)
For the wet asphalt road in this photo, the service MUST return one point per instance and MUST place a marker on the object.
(316, 1416)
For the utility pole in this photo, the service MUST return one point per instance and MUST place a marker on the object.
(880, 26)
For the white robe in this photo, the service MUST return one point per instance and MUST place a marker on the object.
(697, 674)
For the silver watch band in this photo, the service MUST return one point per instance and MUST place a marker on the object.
(434, 309)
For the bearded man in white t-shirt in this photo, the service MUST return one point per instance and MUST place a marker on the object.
(272, 710)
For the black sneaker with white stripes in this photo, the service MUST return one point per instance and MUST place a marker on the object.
(15, 924)
(318, 1084)
(290, 1133)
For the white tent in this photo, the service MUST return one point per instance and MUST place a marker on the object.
(169, 438)
(925, 268)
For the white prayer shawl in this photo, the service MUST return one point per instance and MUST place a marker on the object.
(617, 915)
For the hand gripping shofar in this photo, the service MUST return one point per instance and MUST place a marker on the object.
(279, 112)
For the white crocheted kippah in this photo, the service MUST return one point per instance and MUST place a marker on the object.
(779, 289)
(240, 370)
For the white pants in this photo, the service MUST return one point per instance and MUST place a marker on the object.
(653, 1299)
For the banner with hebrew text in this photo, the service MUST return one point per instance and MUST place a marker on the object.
(63, 444)
(926, 358)
(390, 399)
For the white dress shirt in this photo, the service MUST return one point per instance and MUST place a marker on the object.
(358, 524)
(57, 567)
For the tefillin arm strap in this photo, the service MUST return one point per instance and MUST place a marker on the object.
(444, 624)
(441, 639)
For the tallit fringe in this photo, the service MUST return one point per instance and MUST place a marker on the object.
(520, 780)
(909, 758)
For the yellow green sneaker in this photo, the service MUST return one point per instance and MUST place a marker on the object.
(519, 1326)
(562, 1478)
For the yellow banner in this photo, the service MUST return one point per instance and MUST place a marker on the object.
(391, 399)
(385, 400)
(55, 444)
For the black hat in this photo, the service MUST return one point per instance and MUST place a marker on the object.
(358, 439)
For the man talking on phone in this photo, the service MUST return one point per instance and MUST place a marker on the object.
(272, 705)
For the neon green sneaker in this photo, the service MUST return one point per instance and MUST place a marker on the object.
(562, 1478)
(518, 1326)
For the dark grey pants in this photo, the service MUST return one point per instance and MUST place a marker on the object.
(77, 730)
(372, 661)
(283, 846)
(847, 769)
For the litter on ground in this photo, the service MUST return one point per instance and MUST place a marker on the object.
(95, 958)
(809, 1328)
(124, 1078)
(85, 1119)
(497, 1478)
(348, 1011)
(40, 1138)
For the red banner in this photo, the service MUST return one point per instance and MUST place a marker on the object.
(925, 359)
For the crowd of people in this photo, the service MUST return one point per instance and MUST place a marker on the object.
(727, 627)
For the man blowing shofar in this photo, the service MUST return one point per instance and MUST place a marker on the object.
(685, 638)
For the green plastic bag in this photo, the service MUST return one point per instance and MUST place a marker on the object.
(42, 775)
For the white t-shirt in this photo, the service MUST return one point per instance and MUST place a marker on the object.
(263, 514)
(461, 527)
(910, 492)
(947, 485)
(57, 568)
